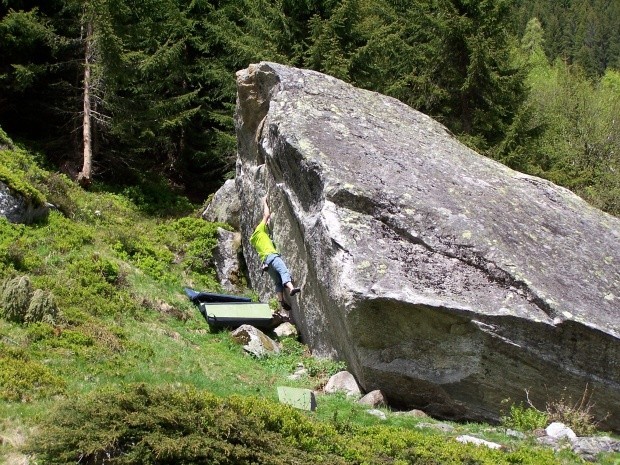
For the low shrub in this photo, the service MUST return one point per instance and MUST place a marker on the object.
(140, 424)
(525, 418)
(15, 298)
(155, 197)
(152, 258)
(574, 414)
(5, 140)
(19, 303)
(19, 185)
(323, 368)
(39, 331)
(42, 307)
(24, 380)
(106, 341)
(82, 289)
(60, 192)
(109, 338)
(192, 239)
(63, 235)
(17, 168)
(11, 254)
(293, 353)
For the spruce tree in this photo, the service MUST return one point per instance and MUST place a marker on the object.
(483, 87)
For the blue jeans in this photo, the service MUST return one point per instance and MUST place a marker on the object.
(278, 271)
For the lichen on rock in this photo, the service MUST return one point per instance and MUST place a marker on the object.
(443, 278)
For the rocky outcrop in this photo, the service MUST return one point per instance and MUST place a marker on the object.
(17, 209)
(228, 264)
(441, 277)
(224, 207)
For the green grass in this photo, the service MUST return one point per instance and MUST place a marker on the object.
(111, 265)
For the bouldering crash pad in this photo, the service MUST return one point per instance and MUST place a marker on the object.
(234, 314)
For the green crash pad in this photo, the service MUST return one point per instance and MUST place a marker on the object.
(303, 399)
(232, 314)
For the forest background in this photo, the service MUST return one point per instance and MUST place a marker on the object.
(125, 92)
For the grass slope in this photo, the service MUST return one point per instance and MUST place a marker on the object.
(129, 373)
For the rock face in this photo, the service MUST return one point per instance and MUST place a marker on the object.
(226, 258)
(441, 277)
(17, 209)
(224, 206)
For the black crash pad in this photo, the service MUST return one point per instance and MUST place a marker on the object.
(200, 297)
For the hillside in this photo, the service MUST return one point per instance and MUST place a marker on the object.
(127, 371)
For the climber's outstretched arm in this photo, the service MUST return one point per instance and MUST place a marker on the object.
(266, 211)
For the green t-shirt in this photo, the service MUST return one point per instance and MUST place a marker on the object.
(261, 241)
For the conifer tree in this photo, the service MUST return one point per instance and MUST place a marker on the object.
(483, 87)
(170, 68)
(45, 57)
(29, 50)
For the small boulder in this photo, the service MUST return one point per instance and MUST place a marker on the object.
(374, 399)
(443, 427)
(286, 329)
(559, 430)
(255, 341)
(342, 381)
(412, 413)
(300, 372)
(515, 434)
(377, 413)
(465, 439)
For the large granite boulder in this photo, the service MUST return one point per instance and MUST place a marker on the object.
(443, 278)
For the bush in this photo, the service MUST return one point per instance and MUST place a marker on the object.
(63, 234)
(155, 197)
(574, 414)
(17, 168)
(5, 140)
(150, 257)
(23, 380)
(20, 304)
(524, 418)
(11, 255)
(293, 353)
(193, 239)
(16, 295)
(60, 192)
(21, 186)
(140, 424)
(42, 307)
(90, 284)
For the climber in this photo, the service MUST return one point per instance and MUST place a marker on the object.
(271, 261)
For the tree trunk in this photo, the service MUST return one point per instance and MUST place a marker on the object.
(84, 177)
